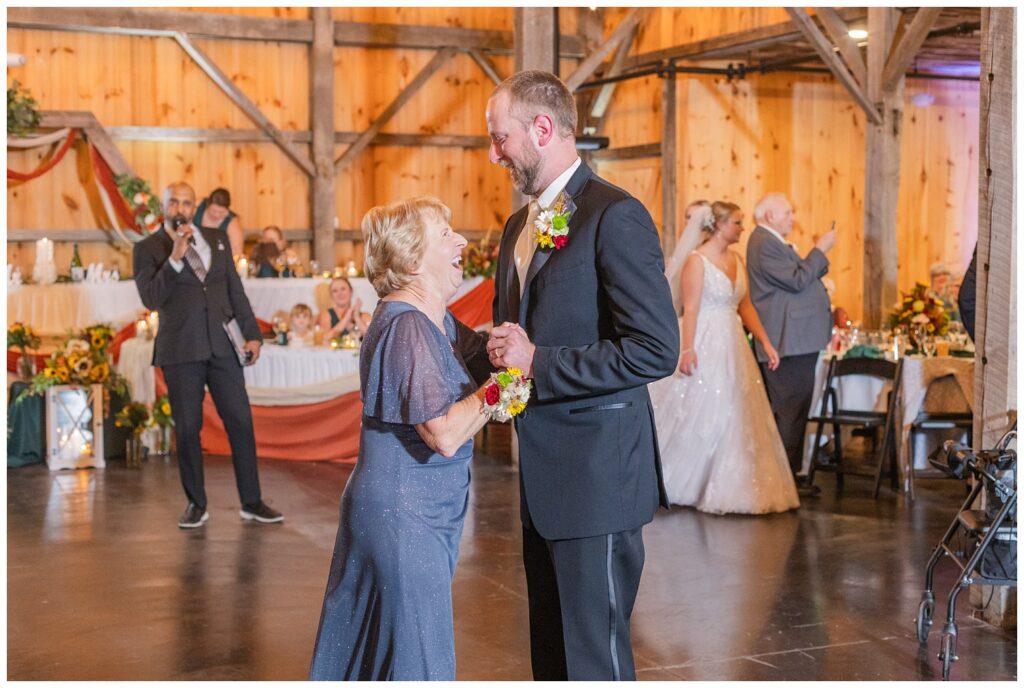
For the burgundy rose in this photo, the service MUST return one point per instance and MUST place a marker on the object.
(492, 395)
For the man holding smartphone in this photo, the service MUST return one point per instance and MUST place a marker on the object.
(794, 308)
(188, 276)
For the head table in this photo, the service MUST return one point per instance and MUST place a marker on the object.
(55, 308)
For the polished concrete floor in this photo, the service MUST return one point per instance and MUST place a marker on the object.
(102, 585)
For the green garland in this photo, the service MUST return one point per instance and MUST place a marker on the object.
(22, 111)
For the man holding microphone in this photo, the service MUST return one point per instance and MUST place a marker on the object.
(188, 276)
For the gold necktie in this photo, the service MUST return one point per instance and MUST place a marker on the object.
(526, 244)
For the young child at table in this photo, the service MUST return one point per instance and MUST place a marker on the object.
(300, 325)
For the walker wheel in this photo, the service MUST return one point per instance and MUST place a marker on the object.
(924, 620)
(946, 654)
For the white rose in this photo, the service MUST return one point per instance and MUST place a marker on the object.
(138, 200)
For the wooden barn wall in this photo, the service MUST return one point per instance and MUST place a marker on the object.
(803, 135)
(800, 134)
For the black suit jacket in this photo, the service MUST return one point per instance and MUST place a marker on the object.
(600, 312)
(191, 312)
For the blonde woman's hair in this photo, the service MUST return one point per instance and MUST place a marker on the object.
(720, 211)
(393, 237)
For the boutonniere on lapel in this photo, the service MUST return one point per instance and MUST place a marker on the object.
(553, 224)
(220, 246)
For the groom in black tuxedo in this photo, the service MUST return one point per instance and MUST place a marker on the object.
(188, 277)
(592, 323)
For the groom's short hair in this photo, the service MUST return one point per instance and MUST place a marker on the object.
(532, 92)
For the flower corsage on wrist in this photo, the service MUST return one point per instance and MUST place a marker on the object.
(506, 395)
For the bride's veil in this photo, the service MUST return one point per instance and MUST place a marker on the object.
(687, 243)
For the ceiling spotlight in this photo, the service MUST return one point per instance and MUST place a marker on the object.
(922, 99)
(858, 34)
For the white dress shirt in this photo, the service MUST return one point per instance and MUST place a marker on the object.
(200, 245)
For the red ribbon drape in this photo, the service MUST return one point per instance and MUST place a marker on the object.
(48, 165)
(105, 176)
(13, 356)
(474, 308)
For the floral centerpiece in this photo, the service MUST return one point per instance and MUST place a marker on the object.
(145, 206)
(134, 416)
(82, 360)
(23, 337)
(164, 421)
(919, 315)
(479, 259)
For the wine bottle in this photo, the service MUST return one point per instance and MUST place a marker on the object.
(77, 269)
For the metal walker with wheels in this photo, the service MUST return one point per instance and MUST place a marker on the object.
(994, 471)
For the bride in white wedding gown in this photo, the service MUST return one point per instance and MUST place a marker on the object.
(720, 448)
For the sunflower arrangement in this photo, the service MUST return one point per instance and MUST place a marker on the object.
(162, 412)
(82, 360)
(479, 258)
(917, 310)
(134, 416)
(23, 337)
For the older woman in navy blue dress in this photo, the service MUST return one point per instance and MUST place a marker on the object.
(387, 612)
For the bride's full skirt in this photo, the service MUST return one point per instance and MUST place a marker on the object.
(720, 448)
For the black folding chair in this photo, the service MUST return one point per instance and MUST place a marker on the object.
(870, 421)
(926, 420)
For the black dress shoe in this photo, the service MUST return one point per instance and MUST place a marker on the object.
(193, 517)
(808, 490)
(261, 513)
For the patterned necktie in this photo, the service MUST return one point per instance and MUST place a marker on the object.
(526, 244)
(194, 261)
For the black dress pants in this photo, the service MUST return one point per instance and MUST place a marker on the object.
(581, 595)
(790, 390)
(186, 384)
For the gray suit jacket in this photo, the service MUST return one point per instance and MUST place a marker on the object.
(787, 293)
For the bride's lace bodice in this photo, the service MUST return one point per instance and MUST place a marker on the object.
(719, 292)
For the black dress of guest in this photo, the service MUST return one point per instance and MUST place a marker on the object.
(968, 297)
(387, 612)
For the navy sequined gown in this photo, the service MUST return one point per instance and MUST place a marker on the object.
(387, 612)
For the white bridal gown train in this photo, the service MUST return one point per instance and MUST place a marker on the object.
(720, 448)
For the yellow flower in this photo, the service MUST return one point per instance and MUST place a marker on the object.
(515, 372)
(515, 407)
(918, 306)
(544, 240)
(165, 408)
(82, 366)
(63, 374)
(930, 328)
(98, 340)
(49, 373)
(100, 372)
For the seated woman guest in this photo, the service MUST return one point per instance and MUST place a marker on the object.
(272, 257)
(214, 212)
(387, 612)
(345, 314)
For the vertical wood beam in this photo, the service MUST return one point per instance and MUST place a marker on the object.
(881, 173)
(241, 100)
(995, 375)
(534, 37)
(322, 188)
(436, 62)
(668, 164)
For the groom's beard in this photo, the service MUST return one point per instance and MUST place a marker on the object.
(525, 173)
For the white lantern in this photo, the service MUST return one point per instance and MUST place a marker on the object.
(74, 427)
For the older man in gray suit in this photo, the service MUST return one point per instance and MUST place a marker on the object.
(791, 301)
